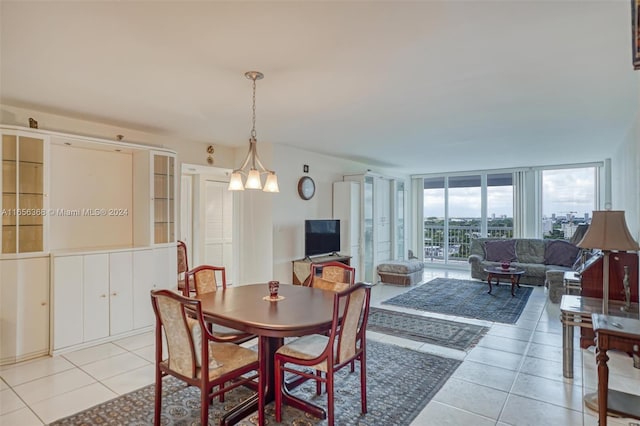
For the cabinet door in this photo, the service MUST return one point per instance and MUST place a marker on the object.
(120, 292)
(8, 311)
(346, 207)
(165, 267)
(383, 219)
(67, 301)
(96, 296)
(163, 181)
(33, 314)
(143, 277)
(23, 172)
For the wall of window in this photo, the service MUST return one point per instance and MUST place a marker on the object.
(458, 208)
(545, 202)
(568, 198)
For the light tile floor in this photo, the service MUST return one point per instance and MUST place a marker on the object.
(512, 377)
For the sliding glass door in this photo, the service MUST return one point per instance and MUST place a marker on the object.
(462, 207)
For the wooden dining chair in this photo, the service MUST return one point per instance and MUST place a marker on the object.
(183, 268)
(333, 276)
(198, 357)
(327, 354)
(207, 279)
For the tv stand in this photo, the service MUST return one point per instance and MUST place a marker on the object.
(302, 267)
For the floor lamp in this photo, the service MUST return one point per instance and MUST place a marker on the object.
(608, 231)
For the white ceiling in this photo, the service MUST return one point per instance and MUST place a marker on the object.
(423, 86)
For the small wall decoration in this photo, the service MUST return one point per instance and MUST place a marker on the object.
(635, 29)
(210, 151)
(33, 124)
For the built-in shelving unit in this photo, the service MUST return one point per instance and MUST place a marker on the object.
(88, 229)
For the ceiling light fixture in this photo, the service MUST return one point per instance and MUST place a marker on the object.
(252, 167)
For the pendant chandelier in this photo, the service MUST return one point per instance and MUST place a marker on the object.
(252, 167)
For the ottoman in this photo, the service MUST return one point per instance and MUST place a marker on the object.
(401, 272)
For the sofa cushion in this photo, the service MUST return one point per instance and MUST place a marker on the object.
(530, 250)
(561, 253)
(499, 250)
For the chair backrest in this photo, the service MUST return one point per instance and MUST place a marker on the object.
(349, 332)
(204, 278)
(183, 267)
(183, 263)
(335, 276)
(171, 317)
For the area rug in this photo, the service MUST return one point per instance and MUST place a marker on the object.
(466, 298)
(400, 383)
(450, 334)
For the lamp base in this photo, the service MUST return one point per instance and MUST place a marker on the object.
(591, 402)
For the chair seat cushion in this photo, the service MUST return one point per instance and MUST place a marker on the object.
(307, 347)
(222, 331)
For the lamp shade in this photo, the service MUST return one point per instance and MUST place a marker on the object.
(608, 231)
(253, 180)
(271, 184)
(235, 183)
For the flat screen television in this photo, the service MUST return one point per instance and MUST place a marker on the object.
(321, 236)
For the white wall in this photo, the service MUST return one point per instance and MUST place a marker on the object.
(107, 184)
(290, 211)
(626, 179)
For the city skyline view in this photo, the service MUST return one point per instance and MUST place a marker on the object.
(564, 192)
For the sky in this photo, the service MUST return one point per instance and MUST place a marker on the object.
(563, 191)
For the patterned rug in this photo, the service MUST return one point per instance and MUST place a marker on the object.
(466, 298)
(400, 383)
(451, 334)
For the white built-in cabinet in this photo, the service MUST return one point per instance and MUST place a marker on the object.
(97, 296)
(87, 231)
(380, 210)
(346, 208)
(24, 308)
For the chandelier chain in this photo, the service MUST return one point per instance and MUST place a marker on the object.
(253, 109)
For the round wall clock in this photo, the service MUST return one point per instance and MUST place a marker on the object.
(306, 187)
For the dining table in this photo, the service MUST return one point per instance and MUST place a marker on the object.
(298, 311)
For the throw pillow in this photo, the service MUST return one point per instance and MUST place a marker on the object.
(499, 250)
(560, 253)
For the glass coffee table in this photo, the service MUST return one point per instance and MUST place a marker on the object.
(497, 272)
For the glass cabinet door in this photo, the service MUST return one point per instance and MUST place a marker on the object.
(22, 194)
(163, 198)
(399, 221)
(368, 224)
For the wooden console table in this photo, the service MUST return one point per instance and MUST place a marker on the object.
(576, 311)
(302, 267)
(620, 334)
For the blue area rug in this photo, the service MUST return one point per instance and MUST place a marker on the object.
(465, 298)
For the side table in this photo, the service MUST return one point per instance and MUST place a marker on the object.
(620, 334)
(572, 283)
(577, 311)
